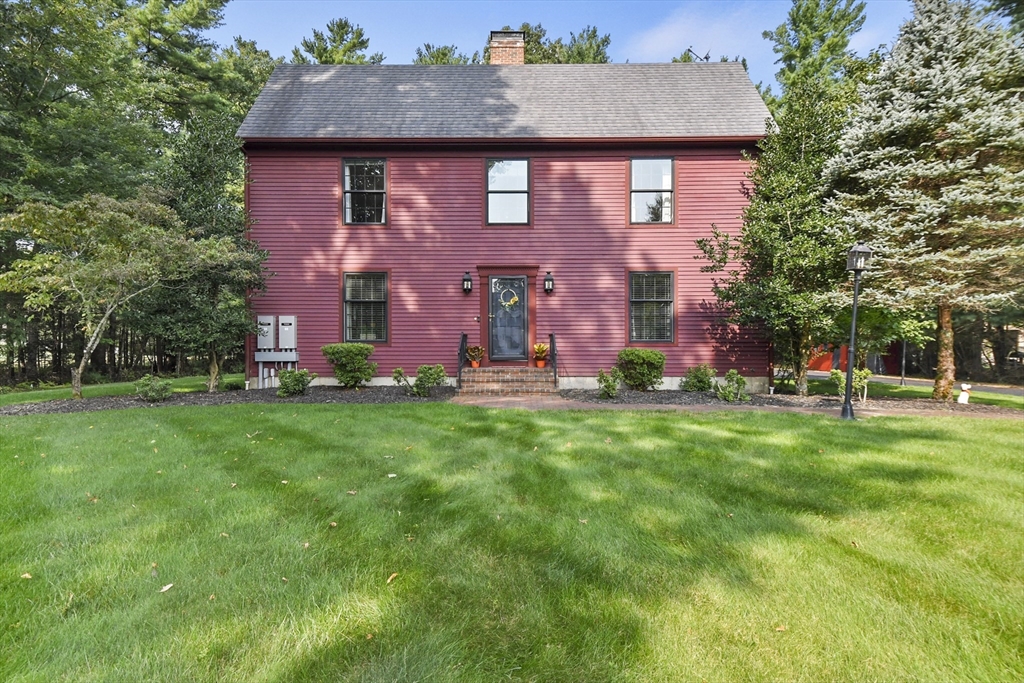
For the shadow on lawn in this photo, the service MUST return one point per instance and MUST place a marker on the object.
(538, 547)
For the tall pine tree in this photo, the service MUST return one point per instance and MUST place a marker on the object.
(931, 170)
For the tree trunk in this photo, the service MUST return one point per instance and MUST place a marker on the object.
(214, 380)
(32, 350)
(76, 378)
(803, 357)
(945, 373)
(90, 346)
(800, 379)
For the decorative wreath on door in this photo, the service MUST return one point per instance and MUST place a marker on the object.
(510, 303)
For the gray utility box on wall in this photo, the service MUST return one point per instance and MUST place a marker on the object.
(265, 339)
(271, 357)
(286, 332)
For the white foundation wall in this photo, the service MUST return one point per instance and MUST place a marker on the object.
(755, 385)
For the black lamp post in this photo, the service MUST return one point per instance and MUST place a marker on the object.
(856, 260)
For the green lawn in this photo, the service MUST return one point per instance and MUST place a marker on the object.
(180, 384)
(549, 546)
(878, 389)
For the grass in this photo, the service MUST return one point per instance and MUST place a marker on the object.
(549, 546)
(825, 387)
(179, 384)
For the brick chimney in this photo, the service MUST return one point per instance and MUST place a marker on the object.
(508, 47)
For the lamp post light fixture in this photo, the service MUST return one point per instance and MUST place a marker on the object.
(857, 260)
(549, 283)
(467, 283)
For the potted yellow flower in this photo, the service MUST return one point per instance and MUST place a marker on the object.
(540, 354)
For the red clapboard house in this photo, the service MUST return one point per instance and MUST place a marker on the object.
(405, 206)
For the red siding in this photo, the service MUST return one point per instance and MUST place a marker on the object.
(436, 232)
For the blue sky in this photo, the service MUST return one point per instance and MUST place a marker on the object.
(641, 30)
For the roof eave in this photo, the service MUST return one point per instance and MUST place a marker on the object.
(470, 142)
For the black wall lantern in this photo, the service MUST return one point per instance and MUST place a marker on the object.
(549, 283)
(467, 283)
(857, 260)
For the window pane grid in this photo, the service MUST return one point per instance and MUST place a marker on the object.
(650, 307)
(366, 308)
(651, 207)
(508, 195)
(365, 191)
(651, 190)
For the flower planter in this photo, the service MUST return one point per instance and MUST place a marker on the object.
(474, 363)
(540, 363)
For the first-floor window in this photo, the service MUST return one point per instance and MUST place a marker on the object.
(651, 307)
(366, 307)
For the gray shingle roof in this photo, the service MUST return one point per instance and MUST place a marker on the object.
(489, 102)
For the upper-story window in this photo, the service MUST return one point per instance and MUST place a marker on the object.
(650, 191)
(365, 189)
(508, 191)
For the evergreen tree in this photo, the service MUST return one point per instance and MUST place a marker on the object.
(443, 54)
(587, 47)
(1012, 9)
(931, 170)
(247, 70)
(814, 41)
(344, 43)
(175, 61)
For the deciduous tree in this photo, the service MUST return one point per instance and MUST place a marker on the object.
(779, 271)
(205, 311)
(94, 256)
(782, 269)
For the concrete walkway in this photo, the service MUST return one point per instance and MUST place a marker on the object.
(1007, 389)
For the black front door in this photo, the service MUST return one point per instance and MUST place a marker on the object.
(508, 324)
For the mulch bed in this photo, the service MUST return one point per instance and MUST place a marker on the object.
(365, 395)
(387, 395)
(703, 398)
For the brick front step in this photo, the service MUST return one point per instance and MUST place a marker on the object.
(507, 381)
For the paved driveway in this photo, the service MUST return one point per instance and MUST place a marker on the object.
(888, 379)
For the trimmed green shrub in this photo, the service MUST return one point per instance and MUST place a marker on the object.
(427, 376)
(641, 369)
(294, 382)
(233, 385)
(351, 366)
(699, 378)
(609, 383)
(860, 382)
(153, 389)
(733, 388)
